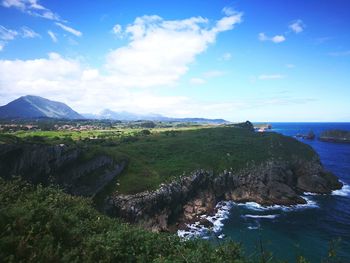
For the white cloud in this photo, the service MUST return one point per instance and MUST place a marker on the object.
(7, 34)
(228, 11)
(29, 33)
(340, 53)
(31, 7)
(278, 39)
(213, 73)
(226, 56)
(161, 51)
(39, 76)
(117, 30)
(197, 81)
(14, 3)
(290, 65)
(272, 76)
(274, 39)
(297, 26)
(52, 36)
(87, 90)
(263, 37)
(69, 29)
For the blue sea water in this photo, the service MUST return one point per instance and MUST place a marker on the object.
(306, 230)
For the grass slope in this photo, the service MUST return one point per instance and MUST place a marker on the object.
(168, 153)
(161, 157)
(46, 225)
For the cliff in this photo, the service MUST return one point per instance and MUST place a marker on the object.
(66, 166)
(184, 200)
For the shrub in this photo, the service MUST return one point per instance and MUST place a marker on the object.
(40, 224)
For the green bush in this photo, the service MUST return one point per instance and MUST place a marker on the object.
(40, 224)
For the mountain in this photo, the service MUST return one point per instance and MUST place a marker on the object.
(37, 107)
(128, 116)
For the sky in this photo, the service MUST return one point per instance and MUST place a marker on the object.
(238, 60)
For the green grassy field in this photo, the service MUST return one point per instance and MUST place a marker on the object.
(167, 153)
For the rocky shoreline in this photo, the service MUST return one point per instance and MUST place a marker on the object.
(185, 200)
(172, 206)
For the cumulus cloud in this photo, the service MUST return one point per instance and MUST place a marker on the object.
(31, 7)
(46, 75)
(278, 39)
(297, 26)
(271, 76)
(274, 39)
(52, 36)
(70, 81)
(159, 52)
(69, 29)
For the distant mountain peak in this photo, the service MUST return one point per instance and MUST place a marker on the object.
(31, 106)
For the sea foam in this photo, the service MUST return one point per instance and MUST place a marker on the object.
(344, 191)
(260, 216)
(223, 211)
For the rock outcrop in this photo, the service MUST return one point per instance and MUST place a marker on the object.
(339, 136)
(184, 200)
(59, 164)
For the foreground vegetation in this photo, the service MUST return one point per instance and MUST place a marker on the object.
(46, 225)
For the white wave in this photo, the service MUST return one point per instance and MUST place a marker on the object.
(344, 191)
(261, 216)
(253, 227)
(257, 207)
(197, 230)
(309, 193)
(223, 210)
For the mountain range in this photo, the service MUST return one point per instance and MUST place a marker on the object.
(128, 116)
(30, 106)
(37, 107)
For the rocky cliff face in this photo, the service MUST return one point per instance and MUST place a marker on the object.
(59, 164)
(273, 182)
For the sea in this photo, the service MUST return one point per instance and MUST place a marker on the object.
(315, 230)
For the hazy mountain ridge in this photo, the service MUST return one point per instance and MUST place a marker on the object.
(129, 116)
(36, 107)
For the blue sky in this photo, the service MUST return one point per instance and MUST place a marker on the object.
(258, 60)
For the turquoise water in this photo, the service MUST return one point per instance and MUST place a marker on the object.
(308, 230)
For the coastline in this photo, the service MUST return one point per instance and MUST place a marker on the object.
(223, 209)
(195, 199)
